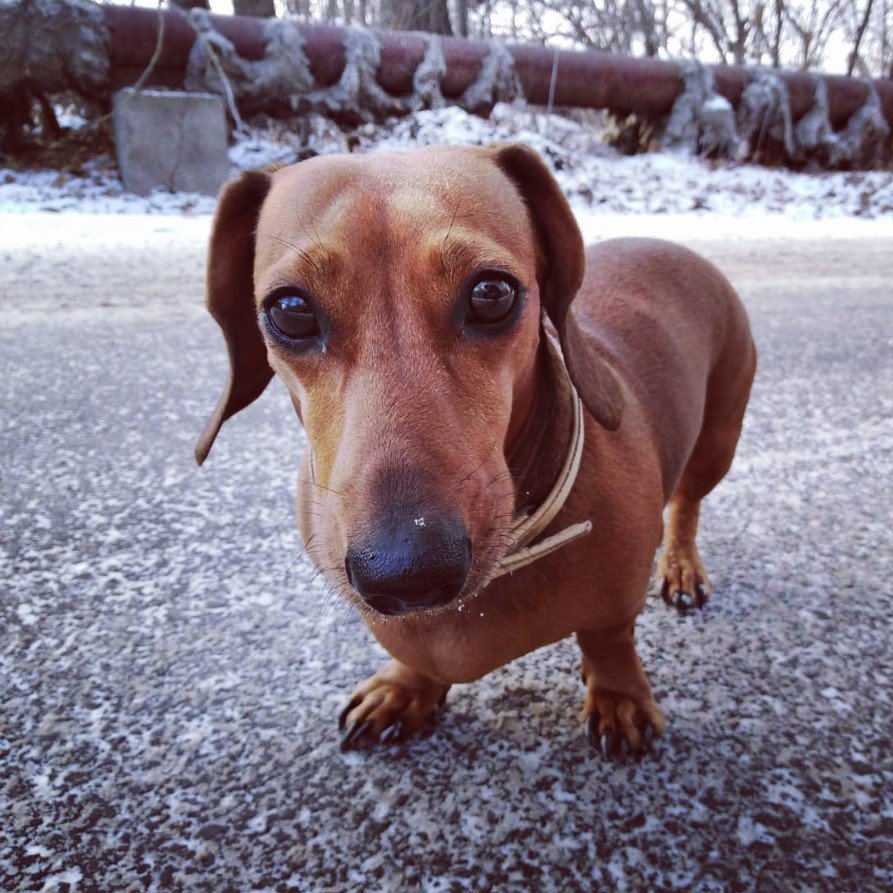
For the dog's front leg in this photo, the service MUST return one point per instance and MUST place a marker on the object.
(619, 710)
(394, 703)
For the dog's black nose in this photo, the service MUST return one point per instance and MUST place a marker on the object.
(411, 564)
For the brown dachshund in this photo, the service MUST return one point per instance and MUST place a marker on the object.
(454, 490)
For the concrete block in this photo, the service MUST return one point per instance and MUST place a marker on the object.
(167, 140)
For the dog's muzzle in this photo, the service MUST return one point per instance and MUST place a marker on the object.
(411, 564)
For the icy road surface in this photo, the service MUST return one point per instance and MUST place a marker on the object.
(171, 674)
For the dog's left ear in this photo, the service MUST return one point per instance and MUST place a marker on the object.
(560, 268)
(230, 299)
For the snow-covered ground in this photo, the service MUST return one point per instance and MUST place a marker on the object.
(598, 180)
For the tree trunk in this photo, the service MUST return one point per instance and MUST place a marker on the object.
(462, 17)
(647, 21)
(407, 15)
(857, 40)
(739, 47)
(779, 28)
(261, 9)
(192, 4)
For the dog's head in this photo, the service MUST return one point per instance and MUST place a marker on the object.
(399, 298)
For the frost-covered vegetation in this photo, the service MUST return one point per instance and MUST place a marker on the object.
(597, 178)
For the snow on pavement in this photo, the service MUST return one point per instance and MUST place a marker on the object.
(104, 230)
(172, 669)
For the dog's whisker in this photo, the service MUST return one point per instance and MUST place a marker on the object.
(321, 571)
(320, 486)
(305, 552)
(506, 475)
(481, 465)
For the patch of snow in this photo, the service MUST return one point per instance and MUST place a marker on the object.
(717, 103)
(598, 181)
(708, 227)
(93, 228)
(71, 877)
(27, 614)
(71, 120)
(100, 192)
(150, 230)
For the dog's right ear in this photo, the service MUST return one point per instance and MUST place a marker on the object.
(562, 262)
(230, 298)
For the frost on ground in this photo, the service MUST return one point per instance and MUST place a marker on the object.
(597, 179)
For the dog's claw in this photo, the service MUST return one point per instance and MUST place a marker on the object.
(392, 734)
(647, 737)
(619, 727)
(342, 716)
(392, 705)
(355, 734)
(681, 579)
(592, 729)
(702, 595)
(682, 601)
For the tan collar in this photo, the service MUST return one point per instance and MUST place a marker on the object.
(527, 528)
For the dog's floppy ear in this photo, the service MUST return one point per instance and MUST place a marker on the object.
(560, 267)
(230, 298)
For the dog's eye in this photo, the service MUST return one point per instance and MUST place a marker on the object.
(292, 316)
(491, 299)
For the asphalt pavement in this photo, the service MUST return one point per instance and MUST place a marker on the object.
(171, 671)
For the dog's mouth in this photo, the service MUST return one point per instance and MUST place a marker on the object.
(437, 602)
(395, 606)
(390, 606)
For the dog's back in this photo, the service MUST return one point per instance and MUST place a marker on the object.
(678, 334)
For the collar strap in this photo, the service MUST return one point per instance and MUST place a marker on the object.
(527, 528)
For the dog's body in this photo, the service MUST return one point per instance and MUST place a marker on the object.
(431, 427)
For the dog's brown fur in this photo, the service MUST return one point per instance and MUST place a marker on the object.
(658, 346)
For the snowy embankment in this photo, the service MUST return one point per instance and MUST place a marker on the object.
(602, 185)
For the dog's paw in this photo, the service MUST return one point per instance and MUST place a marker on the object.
(390, 706)
(682, 580)
(618, 725)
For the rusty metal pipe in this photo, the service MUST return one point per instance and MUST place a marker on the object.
(586, 79)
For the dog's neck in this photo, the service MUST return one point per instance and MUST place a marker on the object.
(537, 453)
